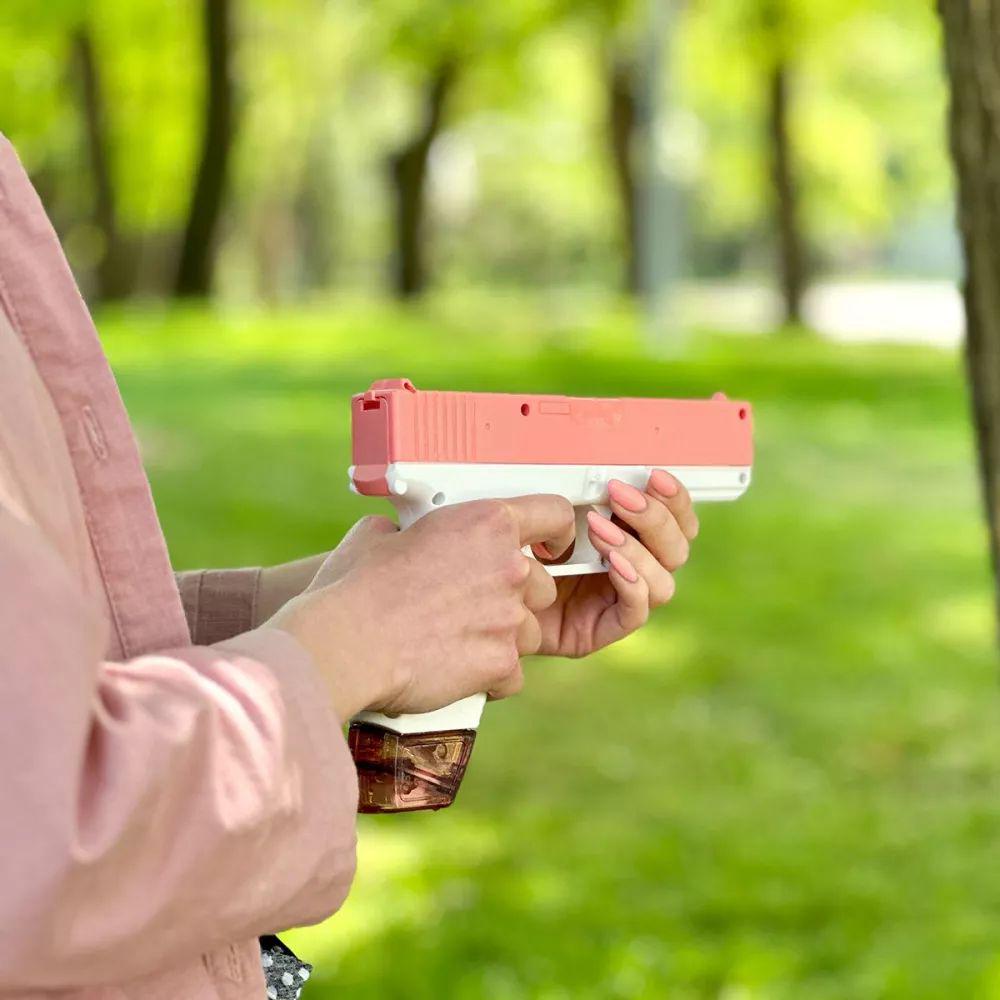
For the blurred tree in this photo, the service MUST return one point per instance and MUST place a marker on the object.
(433, 42)
(113, 269)
(283, 231)
(634, 40)
(858, 89)
(614, 26)
(153, 88)
(972, 57)
(773, 33)
(40, 115)
(312, 214)
(199, 244)
(522, 191)
(780, 71)
(407, 167)
(531, 162)
(623, 117)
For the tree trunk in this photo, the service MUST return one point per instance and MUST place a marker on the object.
(408, 173)
(113, 270)
(199, 244)
(791, 245)
(314, 222)
(623, 115)
(972, 56)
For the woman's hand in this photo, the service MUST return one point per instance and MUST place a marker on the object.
(593, 611)
(281, 583)
(409, 621)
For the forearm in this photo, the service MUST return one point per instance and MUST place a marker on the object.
(225, 761)
(180, 799)
(279, 584)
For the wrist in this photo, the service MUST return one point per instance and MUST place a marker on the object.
(280, 584)
(326, 629)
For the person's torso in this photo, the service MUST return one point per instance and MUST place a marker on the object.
(69, 465)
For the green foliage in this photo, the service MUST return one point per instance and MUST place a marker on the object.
(785, 787)
(32, 64)
(424, 31)
(868, 116)
(521, 190)
(152, 73)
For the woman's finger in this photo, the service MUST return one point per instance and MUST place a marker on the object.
(539, 588)
(674, 495)
(510, 684)
(651, 520)
(632, 606)
(529, 635)
(607, 537)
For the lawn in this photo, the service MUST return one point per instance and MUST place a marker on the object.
(785, 787)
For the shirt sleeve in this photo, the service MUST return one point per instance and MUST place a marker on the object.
(160, 806)
(219, 603)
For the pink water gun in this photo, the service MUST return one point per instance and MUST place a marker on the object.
(424, 450)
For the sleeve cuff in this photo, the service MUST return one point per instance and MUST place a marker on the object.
(219, 604)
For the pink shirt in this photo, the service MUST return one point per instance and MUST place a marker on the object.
(161, 803)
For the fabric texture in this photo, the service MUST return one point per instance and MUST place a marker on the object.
(151, 775)
(284, 972)
(219, 603)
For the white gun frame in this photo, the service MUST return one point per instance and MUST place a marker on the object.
(417, 488)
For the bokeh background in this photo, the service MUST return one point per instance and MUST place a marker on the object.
(786, 786)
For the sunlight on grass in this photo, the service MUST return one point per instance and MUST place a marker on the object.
(961, 621)
(387, 856)
(653, 649)
(784, 788)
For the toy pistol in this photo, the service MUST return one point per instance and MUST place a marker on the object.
(425, 450)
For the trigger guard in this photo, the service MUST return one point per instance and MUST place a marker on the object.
(582, 557)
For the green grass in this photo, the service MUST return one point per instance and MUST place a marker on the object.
(785, 787)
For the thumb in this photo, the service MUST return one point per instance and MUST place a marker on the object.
(373, 524)
(364, 534)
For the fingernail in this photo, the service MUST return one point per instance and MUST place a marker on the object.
(627, 496)
(604, 529)
(622, 566)
(664, 483)
(541, 549)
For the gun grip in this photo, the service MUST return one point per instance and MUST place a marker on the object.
(400, 772)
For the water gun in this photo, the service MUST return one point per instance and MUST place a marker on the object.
(423, 450)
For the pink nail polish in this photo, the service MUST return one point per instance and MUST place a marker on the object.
(622, 566)
(604, 529)
(663, 483)
(626, 496)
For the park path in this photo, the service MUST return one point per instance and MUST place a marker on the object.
(900, 311)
